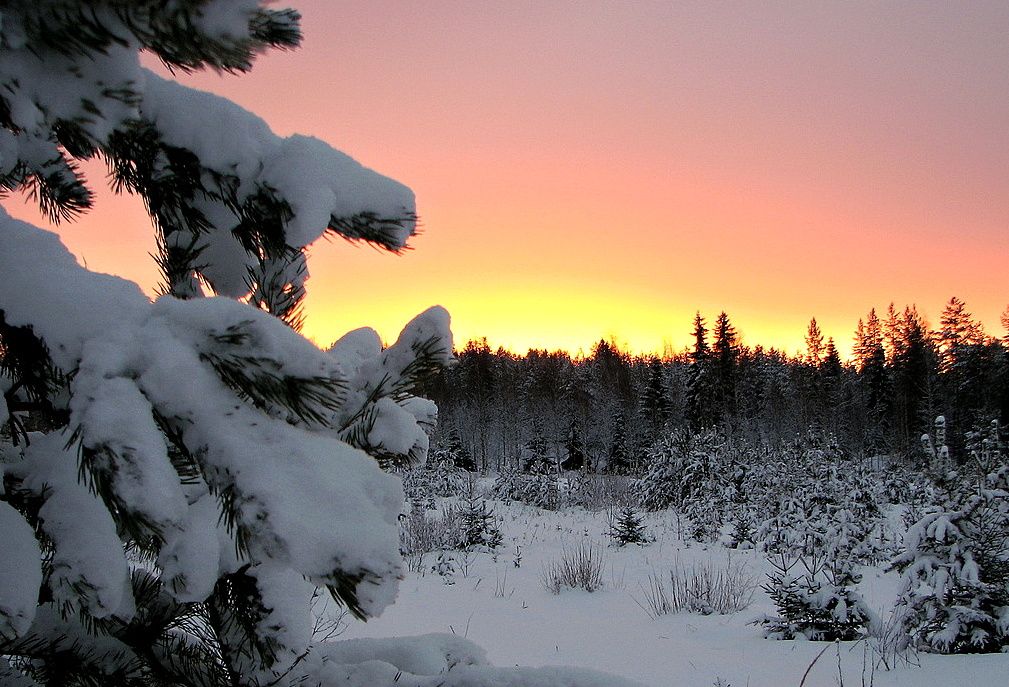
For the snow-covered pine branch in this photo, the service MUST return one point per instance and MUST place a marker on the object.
(71, 76)
(179, 478)
(234, 204)
(173, 458)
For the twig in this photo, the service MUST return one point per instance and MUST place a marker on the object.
(810, 666)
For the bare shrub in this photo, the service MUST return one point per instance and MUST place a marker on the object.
(421, 532)
(599, 492)
(414, 561)
(657, 601)
(579, 568)
(330, 618)
(537, 489)
(501, 584)
(889, 643)
(702, 587)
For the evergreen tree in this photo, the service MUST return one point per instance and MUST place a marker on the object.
(1004, 319)
(700, 380)
(814, 344)
(628, 528)
(181, 478)
(612, 366)
(701, 351)
(860, 351)
(971, 365)
(890, 332)
(478, 385)
(724, 352)
(574, 448)
(914, 368)
(775, 416)
(831, 364)
(655, 408)
(618, 461)
(459, 454)
(876, 376)
(873, 334)
(958, 332)
(479, 526)
(955, 592)
(683, 468)
(538, 456)
(816, 598)
(154, 428)
(437, 477)
(867, 337)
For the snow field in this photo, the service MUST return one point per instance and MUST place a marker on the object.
(509, 612)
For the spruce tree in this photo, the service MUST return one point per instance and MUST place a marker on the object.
(831, 364)
(628, 528)
(860, 349)
(876, 380)
(479, 526)
(460, 455)
(724, 353)
(955, 586)
(700, 380)
(914, 368)
(971, 367)
(574, 448)
(618, 461)
(814, 344)
(181, 478)
(958, 332)
(890, 331)
(654, 408)
(816, 598)
(867, 338)
(538, 458)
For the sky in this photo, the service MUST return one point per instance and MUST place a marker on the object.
(602, 169)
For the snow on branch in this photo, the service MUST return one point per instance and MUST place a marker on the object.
(324, 188)
(238, 391)
(382, 414)
(235, 204)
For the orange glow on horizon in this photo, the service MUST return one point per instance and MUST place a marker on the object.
(609, 171)
(517, 312)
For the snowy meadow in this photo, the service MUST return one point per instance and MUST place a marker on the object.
(504, 600)
(193, 494)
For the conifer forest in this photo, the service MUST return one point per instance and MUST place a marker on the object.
(195, 494)
(608, 411)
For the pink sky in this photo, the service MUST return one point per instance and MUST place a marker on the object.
(587, 169)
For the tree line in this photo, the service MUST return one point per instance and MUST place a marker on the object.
(601, 412)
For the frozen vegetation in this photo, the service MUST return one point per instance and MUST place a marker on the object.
(183, 479)
(193, 494)
(697, 607)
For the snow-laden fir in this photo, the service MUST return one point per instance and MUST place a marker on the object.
(182, 478)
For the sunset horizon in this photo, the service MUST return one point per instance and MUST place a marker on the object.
(607, 172)
(543, 344)
(515, 317)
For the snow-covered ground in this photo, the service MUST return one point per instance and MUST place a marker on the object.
(507, 609)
